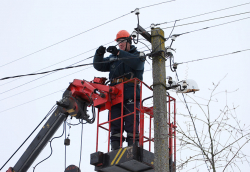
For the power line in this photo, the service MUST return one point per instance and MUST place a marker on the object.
(205, 13)
(53, 92)
(49, 73)
(31, 101)
(207, 20)
(64, 40)
(42, 84)
(235, 52)
(64, 61)
(32, 80)
(86, 51)
(155, 4)
(39, 78)
(18, 86)
(81, 33)
(166, 66)
(75, 57)
(214, 26)
(205, 27)
(69, 67)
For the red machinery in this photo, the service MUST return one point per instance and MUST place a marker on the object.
(79, 95)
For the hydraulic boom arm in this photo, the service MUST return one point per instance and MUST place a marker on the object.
(79, 95)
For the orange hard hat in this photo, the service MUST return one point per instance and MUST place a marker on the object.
(122, 34)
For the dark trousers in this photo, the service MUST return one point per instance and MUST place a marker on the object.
(128, 122)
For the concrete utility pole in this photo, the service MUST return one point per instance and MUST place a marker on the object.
(161, 151)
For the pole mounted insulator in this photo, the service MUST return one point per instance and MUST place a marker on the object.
(173, 37)
(175, 66)
(137, 12)
(134, 34)
(170, 81)
(169, 51)
(184, 85)
(152, 26)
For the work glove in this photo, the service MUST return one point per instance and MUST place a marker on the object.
(101, 50)
(113, 50)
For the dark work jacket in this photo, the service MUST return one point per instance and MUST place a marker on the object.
(124, 65)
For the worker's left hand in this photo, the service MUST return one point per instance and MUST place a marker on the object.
(113, 50)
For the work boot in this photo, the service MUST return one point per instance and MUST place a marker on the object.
(130, 143)
(115, 145)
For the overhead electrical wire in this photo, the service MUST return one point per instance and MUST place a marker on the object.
(144, 71)
(18, 86)
(184, 33)
(214, 26)
(235, 52)
(42, 96)
(64, 61)
(56, 64)
(208, 26)
(218, 25)
(156, 4)
(204, 13)
(171, 31)
(145, 46)
(81, 33)
(45, 95)
(143, 7)
(207, 20)
(31, 101)
(69, 67)
(50, 73)
(42, 84)
(63, 40)
(205, 27)
(216, 56)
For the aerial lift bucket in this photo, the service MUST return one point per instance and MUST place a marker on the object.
(134, 158)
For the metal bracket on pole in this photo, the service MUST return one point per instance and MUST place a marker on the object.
(143, 33)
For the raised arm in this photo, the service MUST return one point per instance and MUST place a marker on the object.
(99, 61)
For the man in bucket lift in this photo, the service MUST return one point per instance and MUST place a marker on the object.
(125, 68)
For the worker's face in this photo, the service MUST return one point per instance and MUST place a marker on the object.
(122, 45)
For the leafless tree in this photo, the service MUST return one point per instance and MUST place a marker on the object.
(221, 136)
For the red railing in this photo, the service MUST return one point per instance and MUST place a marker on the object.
(143, 111)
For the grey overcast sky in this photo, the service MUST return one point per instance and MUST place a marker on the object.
(29, 26)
